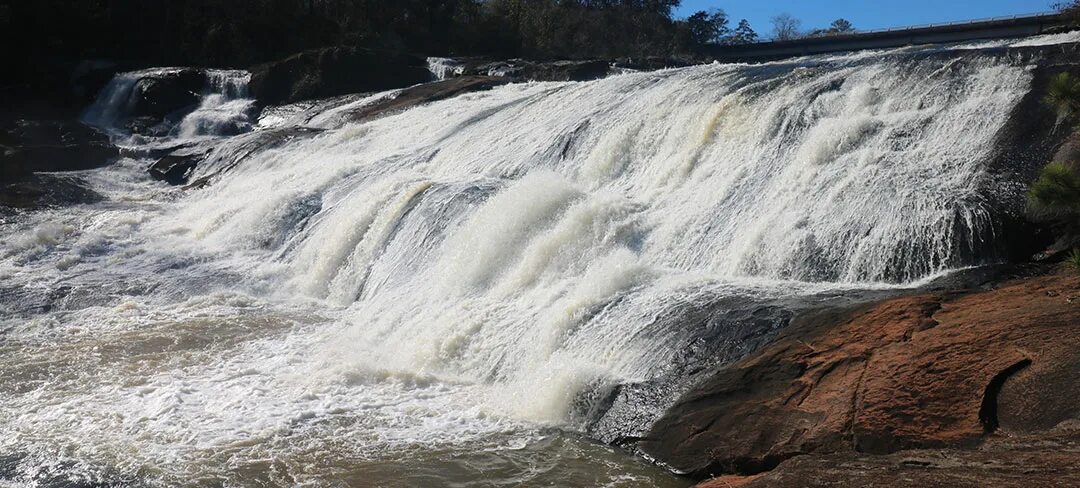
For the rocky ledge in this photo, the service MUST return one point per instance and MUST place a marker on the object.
(973, 388)
(1046, 460)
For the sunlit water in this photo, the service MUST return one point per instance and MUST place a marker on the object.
(428, 299)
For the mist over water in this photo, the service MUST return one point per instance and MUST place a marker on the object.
(435, 296)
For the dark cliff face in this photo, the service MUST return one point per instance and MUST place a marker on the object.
(334, 71)
(1030, 138)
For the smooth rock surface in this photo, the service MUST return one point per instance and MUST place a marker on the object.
(1051, 460)
(931, 370)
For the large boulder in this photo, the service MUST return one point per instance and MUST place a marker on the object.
(925, 371)
(333, 71)
(167, 92)
(175, 168)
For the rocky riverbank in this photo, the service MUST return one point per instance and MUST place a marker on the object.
(969, 388)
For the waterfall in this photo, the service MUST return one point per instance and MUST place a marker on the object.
(489, 263)
(526, 237)
(444, 68)
(222, 106)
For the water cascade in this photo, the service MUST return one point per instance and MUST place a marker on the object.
(464, 275)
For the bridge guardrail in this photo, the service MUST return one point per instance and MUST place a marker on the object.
(1035, 15)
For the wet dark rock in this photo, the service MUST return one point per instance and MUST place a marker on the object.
(513, 68)
(302, 113)
(421, 94)
(167, 92)
(566, 70)
(584, 70)
(44, 191)
(175, 168)
(30, 146)
(718, 334)
(147, 126)
(650, 63)
(334, 71)
(233, 152)
(1029, 139)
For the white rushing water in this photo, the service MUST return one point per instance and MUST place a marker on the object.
(444, 68)
(459, 274)
(224, 107)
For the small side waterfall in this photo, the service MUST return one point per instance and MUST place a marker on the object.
(219, 103)
(225, 107)
(443, 68)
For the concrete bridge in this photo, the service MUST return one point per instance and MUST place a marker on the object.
(997, 28)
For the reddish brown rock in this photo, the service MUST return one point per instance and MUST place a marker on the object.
(1002, 462)
(933, 370)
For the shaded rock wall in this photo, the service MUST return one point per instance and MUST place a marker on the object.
(333, 71)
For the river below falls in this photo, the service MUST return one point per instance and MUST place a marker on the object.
(226, 396)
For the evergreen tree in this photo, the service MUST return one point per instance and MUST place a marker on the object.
(707, 27)
(841, 26)
(743, 34)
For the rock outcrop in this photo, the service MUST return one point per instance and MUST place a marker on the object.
(1050, 460)
(43, 191)
(43, 146)
(179, 167)
(333, 71)
(175, 168)
(651, 63)
(565, 70)
(421, 94)
(935, 370)
(167, 92)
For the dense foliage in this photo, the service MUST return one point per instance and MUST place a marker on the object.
(1063, 95)
(240, 32)
(838, 26)
(1070, 7)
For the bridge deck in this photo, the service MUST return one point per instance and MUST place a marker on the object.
(1011, 27)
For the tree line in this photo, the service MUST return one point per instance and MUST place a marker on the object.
(242, 32)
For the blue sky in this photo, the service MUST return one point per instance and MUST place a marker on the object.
(865, 14)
